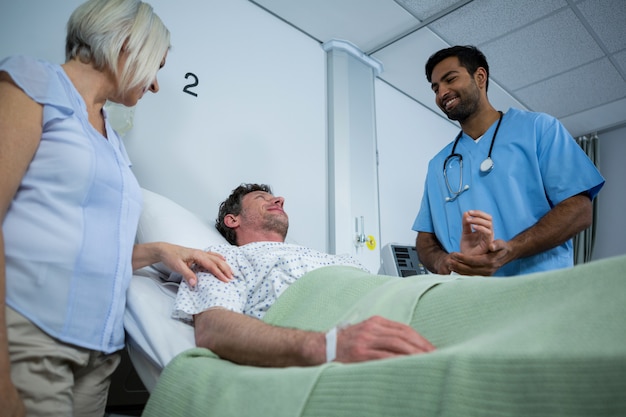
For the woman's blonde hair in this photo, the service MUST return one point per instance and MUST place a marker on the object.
(98, 31)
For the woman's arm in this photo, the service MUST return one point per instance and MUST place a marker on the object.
(20, 134)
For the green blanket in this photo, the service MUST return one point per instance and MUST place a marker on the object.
(545, 344)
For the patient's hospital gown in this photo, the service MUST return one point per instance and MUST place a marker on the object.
(262, 271)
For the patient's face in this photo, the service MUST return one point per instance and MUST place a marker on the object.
(262, 211)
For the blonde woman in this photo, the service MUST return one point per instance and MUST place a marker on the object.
(69, 206)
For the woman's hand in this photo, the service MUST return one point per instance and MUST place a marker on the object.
(185, 261)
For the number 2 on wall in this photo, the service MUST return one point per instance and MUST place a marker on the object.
(194, 83)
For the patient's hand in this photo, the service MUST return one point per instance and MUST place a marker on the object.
(477, 233)
(379, 338)
(250, 341)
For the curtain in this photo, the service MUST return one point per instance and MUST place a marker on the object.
(585, 240)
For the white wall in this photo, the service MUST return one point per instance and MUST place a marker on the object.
(259, 115)
(409, 135)
(611, 231)
(35, 27)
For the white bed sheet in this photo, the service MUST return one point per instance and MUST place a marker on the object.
(153, 337)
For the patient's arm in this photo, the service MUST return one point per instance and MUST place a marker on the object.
(246, 340)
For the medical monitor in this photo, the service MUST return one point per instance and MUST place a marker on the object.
(401, 261)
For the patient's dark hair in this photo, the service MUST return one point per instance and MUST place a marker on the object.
(469, 57)
(232, 205)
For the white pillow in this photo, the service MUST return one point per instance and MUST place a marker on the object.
(163, 220)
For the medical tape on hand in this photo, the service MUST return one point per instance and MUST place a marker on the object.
(331, 345)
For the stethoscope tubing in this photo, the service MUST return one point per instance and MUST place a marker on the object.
(486, 166)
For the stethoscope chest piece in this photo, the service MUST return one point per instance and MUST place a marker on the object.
(487, 165)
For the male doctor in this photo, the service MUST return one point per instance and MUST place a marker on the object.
(520, 169)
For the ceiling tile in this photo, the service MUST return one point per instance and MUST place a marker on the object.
(542, 55)
(423, 9)
(404, 63)
(596, 119)
(588, 86)
(483, 20)
(620, 59)
(365, 23)
(608, 20)
(539, 51)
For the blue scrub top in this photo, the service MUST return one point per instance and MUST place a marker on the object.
(537, 164)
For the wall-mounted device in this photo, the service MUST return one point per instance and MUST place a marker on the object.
(401, 261)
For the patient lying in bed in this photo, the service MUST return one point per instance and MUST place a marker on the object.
(550, 344)
(264, 266)
(262, 271)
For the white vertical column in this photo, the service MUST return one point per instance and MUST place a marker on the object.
(354, 219)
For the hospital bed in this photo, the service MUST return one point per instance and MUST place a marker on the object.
(549, 344)
(153, 337)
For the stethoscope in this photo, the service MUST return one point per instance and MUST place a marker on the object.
(485, 167)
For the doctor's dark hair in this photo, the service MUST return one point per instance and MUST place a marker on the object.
(98, 31)
(469, 57)
(232, 205)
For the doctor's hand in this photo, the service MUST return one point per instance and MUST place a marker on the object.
(477, 234)
(379, 338)
(188, 261)
(485, 264)
(479, 251)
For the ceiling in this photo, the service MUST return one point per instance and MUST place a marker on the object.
(562, 57)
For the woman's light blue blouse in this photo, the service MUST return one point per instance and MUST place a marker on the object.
(70, 229)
